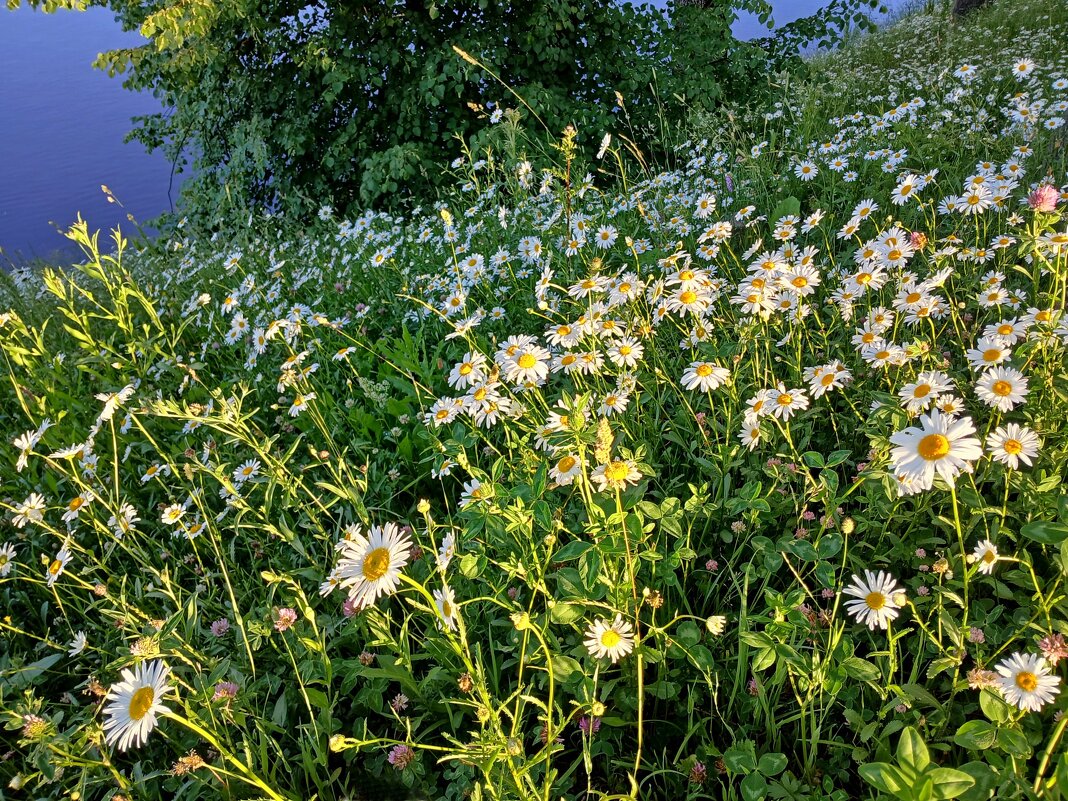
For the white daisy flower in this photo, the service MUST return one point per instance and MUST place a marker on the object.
(445, 600)
(77, 645)
(1002, 388)
(875, 595)
(135, 704)
(1011, 444)
(613, 640)
(985, 554)
(566, 469)
(940, 445)
(1026, 681)
(370, 566)
(704, 376)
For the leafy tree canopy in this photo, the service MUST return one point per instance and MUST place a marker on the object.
(288, 103)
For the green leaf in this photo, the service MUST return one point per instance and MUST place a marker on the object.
(884, 777)
(976, 735)
(862, 669)
(754, 787)
(772, 764)
(741, 758)
(949, 783)
(566, 613)
(912, 750)
(565, 666)
(994, 706)
(573, 550)
(985, 779)
(1014, 742)
(1045, 532)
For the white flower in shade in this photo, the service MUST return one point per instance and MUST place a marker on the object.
(113, 400)
(300, 403)
(370, 566)
(616, 474)
(613, 640)
(30, 510)
(565, 470)
(446, 550)
(133, 704)
(469, 371)
(985, 555)
(704, 376)
(1002, 388)
(1011, 444)
(7, 559)
(716, 624)
(445, 600)
(77, 645)
(940, 445)
(875, 604)
(1025, 681)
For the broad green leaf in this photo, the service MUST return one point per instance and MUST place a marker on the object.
(1045, 532)
(949, 783)
(912, 750)
(976, 735)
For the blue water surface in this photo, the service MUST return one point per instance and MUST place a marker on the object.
(62, 125)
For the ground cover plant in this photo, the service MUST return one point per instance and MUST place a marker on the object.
(736, 479)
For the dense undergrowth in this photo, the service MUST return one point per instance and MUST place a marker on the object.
(739, 479)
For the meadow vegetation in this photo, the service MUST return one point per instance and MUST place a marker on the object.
(735, 475)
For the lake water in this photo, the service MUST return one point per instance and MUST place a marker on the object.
(63, 124)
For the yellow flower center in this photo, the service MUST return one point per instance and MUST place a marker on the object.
(933, 447)
(1005, 330)
(76, 504)
(893, 255)
(1012, 446)
(875, 600)
(688, 297)
(376, 564)
(480, 394)
(785, 400)
(617, 471)
(55, 567)
(1026, 681)
(624, 287)
(466, 368)
(883, 354)
(704, 370)
(141, 702)
(568, 359)
(989, 557)
(526, 361)
(864, 278)
(800, 282)
(610, 638)
(1001, 388)
(441, 414)
(625, 350)
(563, 330)
(827, 379)
(922, 391)
(565, 464)
(913, 297)
(686, 275)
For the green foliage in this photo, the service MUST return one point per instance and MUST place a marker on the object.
(285, 105)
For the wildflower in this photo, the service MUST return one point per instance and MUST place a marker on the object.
(988, 352)
(300, 403)
(248, 470)
(784, 402)
(401, 756)
(1044, 199)
(979, 678)
(399, 703)
(220, 627)
(225, 691)
(613, 640)
(716, 624)
(473, 492)
(617, 474)
(34, 727)
(939, 445)
(876, 603)
(58, 565)
(589, 725)
(1002, 388)
(77, 645)
(698, 773)
(1026, 682)
(370, 566)
(445, 600)
(284, 618)
(1011, 444)
(566, 469)
(1053, 648)
(986, 554)
(187, 764)
(134, 704)
(446, 551)
(7, 559)
(704, 376)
